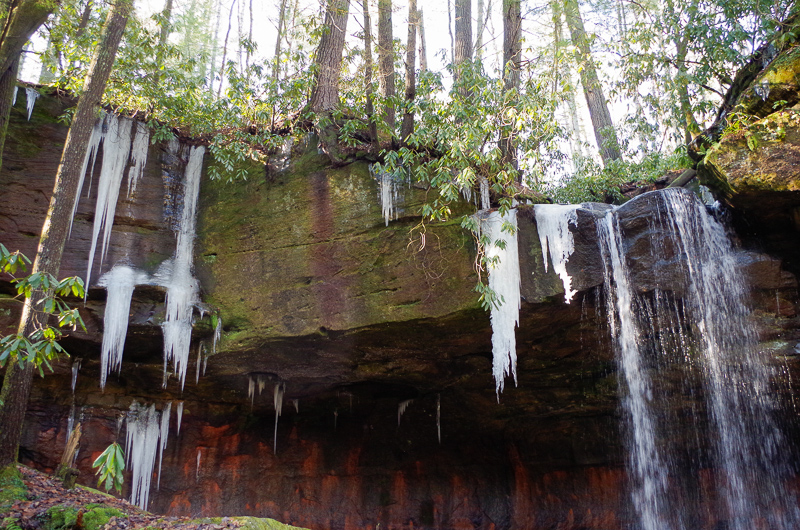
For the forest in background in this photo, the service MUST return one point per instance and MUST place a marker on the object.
(568, 99)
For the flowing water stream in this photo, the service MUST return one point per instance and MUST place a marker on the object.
(697, 391)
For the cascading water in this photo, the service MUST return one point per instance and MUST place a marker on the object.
(666, 346)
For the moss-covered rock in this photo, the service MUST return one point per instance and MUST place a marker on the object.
(90, 517)
(778, 86)
(11, 486)
(761, 157)
(309, 250)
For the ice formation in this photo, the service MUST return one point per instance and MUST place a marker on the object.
(552, 222)
(116, 148)
(141, 141)
(182, 287)
(197, 471)
(76, 366)
(200, 348)
(31, 95)
(179, 414)
(88, 162)
(164, 436)
(217, 334)
(296, 403)
(14, 97)
(483, 185)
(144, 429)
(401, 409)
(387, 193)
(504, 281)
(439, 417)
(119, 283)
(277, 400)
(251, 389)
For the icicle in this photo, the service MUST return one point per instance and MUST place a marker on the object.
(401, 408)
(182, 288)
(70, 421)
(197, 472)
(142, 445)
(116, 147)
(76, 366)
(141, 141)
(179, 412)
(483, 185)
(504, 280)
(205, 365)
(119, 283)
(164, 436)
(296, 403)
(277, 400)
(31, 95)
(251, 389)
(88, 162)
(552, 223)
(14, 97)
(439, 417)
(199, 361)
(217, 334)
(262, 382)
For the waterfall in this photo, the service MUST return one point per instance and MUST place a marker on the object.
(119, 283)
(503, 268)
(666, 347)
(182, 287)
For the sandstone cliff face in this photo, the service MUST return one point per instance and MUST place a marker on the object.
(355, 317)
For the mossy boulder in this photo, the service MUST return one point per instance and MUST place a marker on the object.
(760, 158)
(777, 87)
(12, 487)
(89, 517)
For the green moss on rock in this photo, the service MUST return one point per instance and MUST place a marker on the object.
(12, 488)
(763, 157)
(93, 517)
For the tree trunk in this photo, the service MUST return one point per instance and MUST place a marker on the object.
(17, 383)
(277, 60)
(225, 49)
(20, 22)
(325, 94)
(512, 61)
(479, 30)
(8, 83)
(369, 88)
(386, 61)
(450, 31)
(166, 26)
(423, 53)
(463, 45)
(598, 108)
(213, 60)
(411, 79)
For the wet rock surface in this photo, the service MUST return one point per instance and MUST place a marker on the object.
(356, 317)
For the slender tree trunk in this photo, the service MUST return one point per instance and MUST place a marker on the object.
(8, 83)
(512, 61)
(369, 88)
(598, 108)
(450, 31)
(423, 53)
(288, 34)
(225, 48)
(277, 60)
(17, 383)
(213, 60)
(479, 30)
(386, 61)
(463, 44)
(411, 79)
(166, 26)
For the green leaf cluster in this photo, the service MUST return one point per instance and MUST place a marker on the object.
(110, 464)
